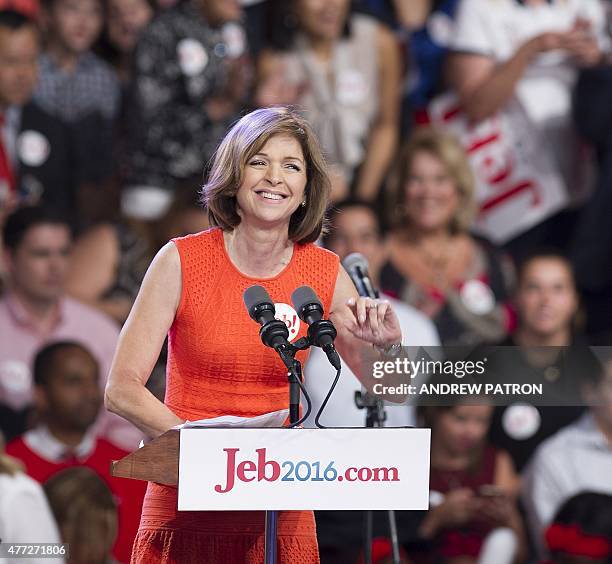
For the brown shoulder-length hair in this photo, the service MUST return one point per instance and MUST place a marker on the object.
(448, 150)
(244, 140)
(85, 511)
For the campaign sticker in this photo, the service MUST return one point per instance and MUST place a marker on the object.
(33, 148)
(477, 297)
(15, 376)
(285, 313)
(521, 422)
(233, 37)
(435, 498)
(351, 87)
(192, 56)
(440, 28)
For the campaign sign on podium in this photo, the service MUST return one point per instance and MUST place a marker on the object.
(284, 469)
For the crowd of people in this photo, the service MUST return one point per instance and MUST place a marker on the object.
(468, 145)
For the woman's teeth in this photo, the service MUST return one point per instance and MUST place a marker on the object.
(270, 196)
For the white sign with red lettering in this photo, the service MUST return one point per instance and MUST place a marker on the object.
(518, 185)
(290, 469)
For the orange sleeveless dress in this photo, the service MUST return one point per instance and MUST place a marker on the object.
(217, 365)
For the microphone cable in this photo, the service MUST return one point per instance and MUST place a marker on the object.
(324, 404)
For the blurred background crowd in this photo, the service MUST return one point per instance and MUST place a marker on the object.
(469, 144)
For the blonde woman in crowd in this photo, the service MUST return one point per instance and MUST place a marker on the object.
(435, 264)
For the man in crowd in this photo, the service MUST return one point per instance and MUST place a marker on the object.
(82, 91)
(578, 458)
(68, 398)
(355, 228)
(35, 311)
(35, 165)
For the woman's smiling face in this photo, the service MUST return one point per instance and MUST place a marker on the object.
(431, 195)
(273, 182)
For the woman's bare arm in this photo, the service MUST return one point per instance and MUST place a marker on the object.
(93, 268)
(139, 345)
(360, 328)
(382, 140)
(484, 86)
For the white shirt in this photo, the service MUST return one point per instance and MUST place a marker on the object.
(25, 516)
(40, 441)
(578, 458)
(497, 28)
(417, 330)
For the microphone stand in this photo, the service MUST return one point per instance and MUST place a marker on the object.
(294, 374)
(376, 417)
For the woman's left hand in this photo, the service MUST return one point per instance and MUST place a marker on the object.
(373, 321)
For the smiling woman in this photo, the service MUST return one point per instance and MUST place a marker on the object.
(266, 197)
(284, 161)
(435, 264)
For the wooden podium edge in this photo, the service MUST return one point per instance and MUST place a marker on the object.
(157, 461)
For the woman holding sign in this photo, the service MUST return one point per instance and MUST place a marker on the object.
(266, 194)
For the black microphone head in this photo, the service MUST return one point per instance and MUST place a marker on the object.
(255, 296)
(302, 297)
(354, 260)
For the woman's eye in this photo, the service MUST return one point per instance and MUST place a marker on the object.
(294, 167)
(257, 163)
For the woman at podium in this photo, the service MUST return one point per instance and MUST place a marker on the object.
(266, 196)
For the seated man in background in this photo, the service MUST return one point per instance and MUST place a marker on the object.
(35, 311)
(68, 398)
(577, 458)
(355, 227)
(35, 165)
(74, 82)
(82, 91)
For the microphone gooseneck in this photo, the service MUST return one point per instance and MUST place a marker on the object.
(356, 266)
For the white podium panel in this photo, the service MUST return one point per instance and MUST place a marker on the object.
(285, 469)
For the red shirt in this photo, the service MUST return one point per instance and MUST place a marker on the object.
(128, 494)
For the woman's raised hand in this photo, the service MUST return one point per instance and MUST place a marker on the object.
(373, 321)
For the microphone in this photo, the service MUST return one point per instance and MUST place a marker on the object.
(321, 332)
(273, 333)
(357, 267)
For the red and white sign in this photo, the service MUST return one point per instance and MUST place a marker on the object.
(290, 469)
(517, 184)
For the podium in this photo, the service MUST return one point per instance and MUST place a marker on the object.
(225, 469)
(157, 461)
(272, 469)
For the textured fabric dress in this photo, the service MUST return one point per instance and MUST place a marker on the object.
(217, 365)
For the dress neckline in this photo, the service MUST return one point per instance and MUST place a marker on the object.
(219, 234)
